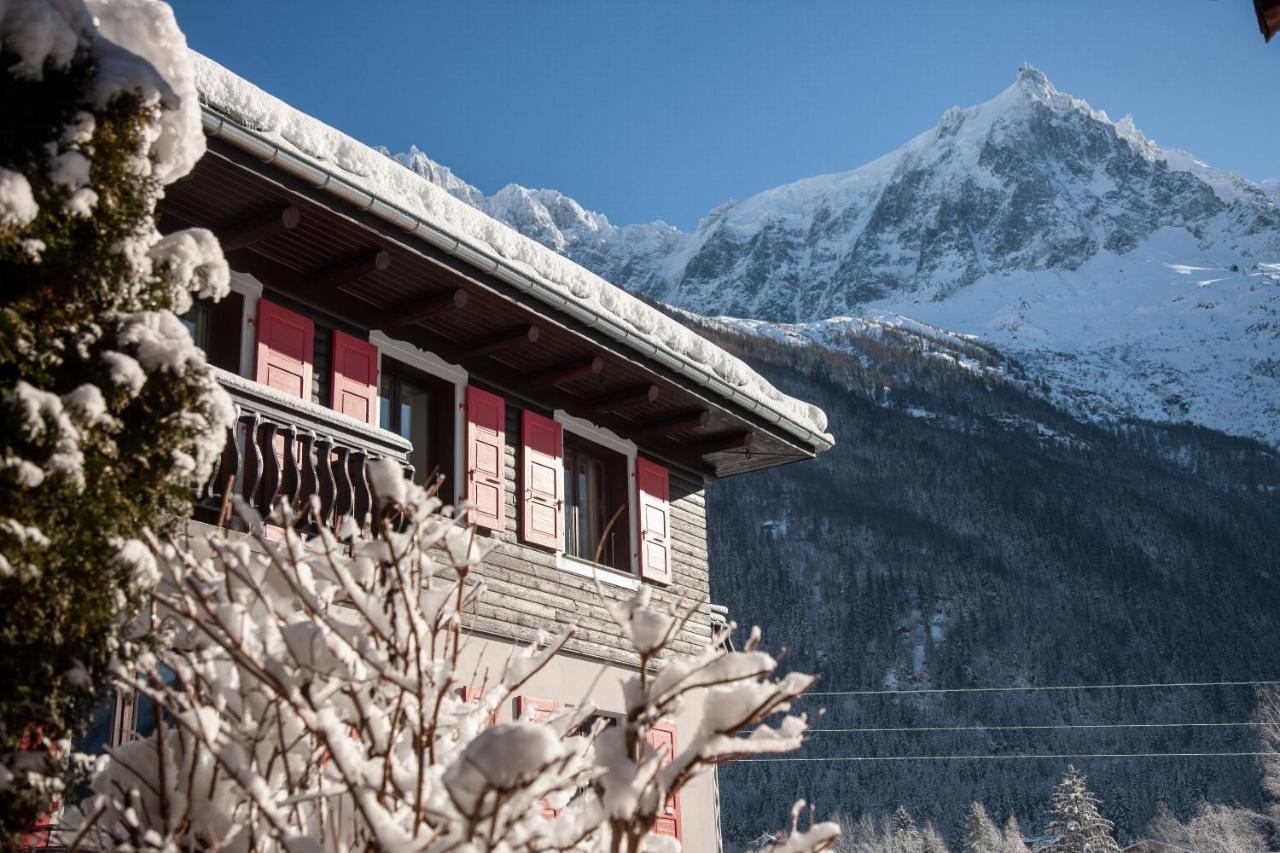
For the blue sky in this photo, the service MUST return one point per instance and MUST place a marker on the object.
(662, 110)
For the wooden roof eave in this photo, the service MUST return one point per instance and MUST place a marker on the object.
(353, 297)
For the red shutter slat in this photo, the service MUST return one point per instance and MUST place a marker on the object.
(486, 438)
(542, 481)
(654, 521)
(662, 737)
(355, 378)
(285, 350)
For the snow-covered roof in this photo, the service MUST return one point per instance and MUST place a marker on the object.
(413, 202)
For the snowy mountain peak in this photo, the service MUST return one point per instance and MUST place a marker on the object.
(1034, 82)
(1138, 279)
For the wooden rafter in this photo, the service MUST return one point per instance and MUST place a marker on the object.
(625, 398)
(502, 340)
(256, 228)
(409, 313)
(566, 372)
(725, 441)
(684, 422)
(334, 276)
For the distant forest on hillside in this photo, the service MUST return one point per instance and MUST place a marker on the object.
(966, 533)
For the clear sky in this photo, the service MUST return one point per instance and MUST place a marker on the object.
(663, 110)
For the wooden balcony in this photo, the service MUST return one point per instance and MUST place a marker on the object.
(282, 449)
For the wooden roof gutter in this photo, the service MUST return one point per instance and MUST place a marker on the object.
(219, 126)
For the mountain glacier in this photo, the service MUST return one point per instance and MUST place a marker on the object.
(1136, 280)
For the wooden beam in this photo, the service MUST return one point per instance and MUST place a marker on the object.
(502, 340)
(725, 441)
(625, 398)
(687, 422)
(260, 227)
(334, 276)
(566, 372)
(409, 313)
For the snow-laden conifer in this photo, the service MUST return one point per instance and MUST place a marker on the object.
(108, 414)
(1075, 823)
(1012, 841)
(904, 837)
(980, 833)
(311, 699)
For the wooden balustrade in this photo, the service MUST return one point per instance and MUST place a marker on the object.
(282, 449)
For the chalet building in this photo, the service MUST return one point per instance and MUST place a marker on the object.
(374, 315)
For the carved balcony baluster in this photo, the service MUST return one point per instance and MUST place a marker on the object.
(251, 476)
(289, 477)
(324, 473)
(284, 449)
(266, 495)
(343, 502)
(307, 474)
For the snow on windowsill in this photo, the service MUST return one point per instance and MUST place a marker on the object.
(379, 175)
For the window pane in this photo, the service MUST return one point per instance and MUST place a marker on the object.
(197, 322)
(386, 388)
(415, 425)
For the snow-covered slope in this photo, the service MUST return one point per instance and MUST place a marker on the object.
(1137, 279)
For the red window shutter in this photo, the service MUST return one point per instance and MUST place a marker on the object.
(486, 439)
(662, 737)
(285, 350)
(654, 521)
(542, 478)
(355, 378)
(539, 711)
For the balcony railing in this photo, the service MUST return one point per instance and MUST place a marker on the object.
(282, 449)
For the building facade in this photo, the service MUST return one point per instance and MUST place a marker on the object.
(373, 315)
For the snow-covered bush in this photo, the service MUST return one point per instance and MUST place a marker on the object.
(108, 414)
(311, 698)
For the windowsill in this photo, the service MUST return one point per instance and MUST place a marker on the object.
(587, 569)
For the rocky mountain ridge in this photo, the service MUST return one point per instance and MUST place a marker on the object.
(1138, 280)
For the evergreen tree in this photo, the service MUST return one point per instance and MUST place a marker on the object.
(1075, 824)
(905, 838)
(980, 833)
(1012, 842)
(108, 412)
(931, 840)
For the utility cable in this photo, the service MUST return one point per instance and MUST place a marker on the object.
(1032, 689)
(1020, 728)
(1011, 757)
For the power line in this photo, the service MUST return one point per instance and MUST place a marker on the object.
(1012, 757)
(874, 729)
(1032, 689)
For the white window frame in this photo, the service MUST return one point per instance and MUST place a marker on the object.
(609, 439)
(251, 289)
(430, 363)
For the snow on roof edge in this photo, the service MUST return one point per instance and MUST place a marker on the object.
(264, 115)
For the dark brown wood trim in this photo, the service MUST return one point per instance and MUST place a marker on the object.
(686, 422)
(420, 309)
(625, 398)
(567, 372)
(725, 441)
(503, 340)
(255, 229)
(333, 277)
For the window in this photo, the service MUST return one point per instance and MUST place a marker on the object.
(418, 407)
(215, 328)
(197, 322)
(595, 493)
